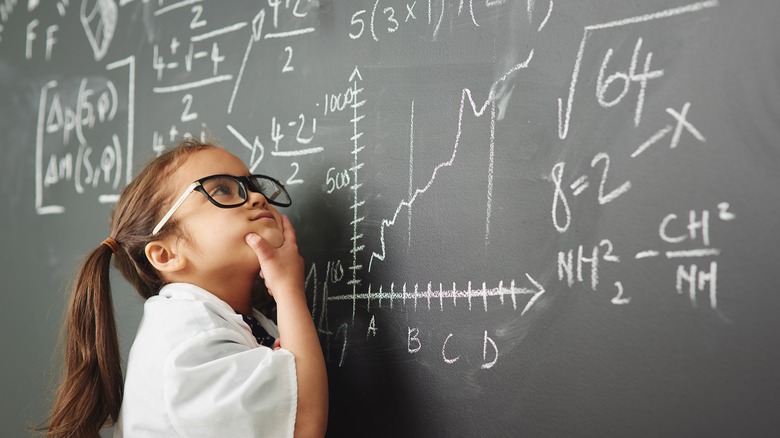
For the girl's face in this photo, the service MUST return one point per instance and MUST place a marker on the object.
(215, 247)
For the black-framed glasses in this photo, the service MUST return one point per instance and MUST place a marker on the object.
(228, 191)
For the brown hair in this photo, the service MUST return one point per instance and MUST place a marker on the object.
(90, 393)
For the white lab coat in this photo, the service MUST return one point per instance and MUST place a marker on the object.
(196, 370)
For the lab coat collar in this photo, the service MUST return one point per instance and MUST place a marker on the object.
(220, 307)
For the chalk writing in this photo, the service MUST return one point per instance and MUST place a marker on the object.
(95, 161)
(199, 66)
(696, 230)
(6, 12)
(357, 164)
(99, 24)
(295, 13)
(298, 126)
(31, 37)
(627, 78)
(564, 116)
(567, 264)
(681, 122)
(466, 94)
(441, 294)
(578, 187)
(489, 348)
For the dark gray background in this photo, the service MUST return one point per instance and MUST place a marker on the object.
(573, 363)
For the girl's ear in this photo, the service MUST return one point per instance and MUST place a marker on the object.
(165, 257)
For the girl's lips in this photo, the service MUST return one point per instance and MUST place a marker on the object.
(264, 215)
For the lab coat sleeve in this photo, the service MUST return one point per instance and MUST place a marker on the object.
(215, 385)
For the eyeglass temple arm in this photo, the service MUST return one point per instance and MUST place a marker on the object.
(175, 207)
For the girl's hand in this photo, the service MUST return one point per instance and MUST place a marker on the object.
(283, 271)
(281, 268)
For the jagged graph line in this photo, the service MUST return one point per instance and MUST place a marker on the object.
(466, 93)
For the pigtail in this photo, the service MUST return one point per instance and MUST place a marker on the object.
(90, 393)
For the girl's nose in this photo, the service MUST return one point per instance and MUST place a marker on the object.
(256, 199)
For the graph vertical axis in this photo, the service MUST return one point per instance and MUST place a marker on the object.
(354, 282)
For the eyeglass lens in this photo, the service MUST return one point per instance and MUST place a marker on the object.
(272, 191)
(224, 190)
(229, 192)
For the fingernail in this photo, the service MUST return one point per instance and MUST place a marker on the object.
(252, 238)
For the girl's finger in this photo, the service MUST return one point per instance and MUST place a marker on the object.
(262, 249)
(288, 229)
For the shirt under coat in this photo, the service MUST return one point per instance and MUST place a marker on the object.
(196, 370)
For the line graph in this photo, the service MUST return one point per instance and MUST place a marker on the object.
(431, 294)
(465, 94)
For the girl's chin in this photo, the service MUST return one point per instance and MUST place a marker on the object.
(273, 237)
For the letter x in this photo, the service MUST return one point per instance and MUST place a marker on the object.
(682, 122)
(410, 11)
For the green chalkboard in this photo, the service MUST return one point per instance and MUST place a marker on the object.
(519, 218)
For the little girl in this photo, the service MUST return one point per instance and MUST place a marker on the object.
(192, 233)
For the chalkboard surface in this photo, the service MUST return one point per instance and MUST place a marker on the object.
(519, 218)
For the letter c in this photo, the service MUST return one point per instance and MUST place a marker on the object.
(662, 230)
(444, 351)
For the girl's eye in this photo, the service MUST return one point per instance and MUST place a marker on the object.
(225, 191)
(221, 190)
